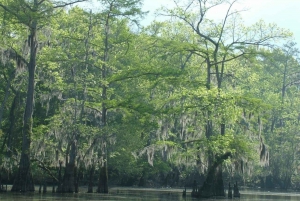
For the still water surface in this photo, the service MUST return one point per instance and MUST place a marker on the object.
(129, 194)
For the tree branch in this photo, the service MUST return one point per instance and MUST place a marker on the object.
(43, 167)
(14, 55)
(68, 4)
(225, 20)
(232, 58)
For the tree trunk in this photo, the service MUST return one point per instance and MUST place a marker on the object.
(24, 181)
(68, 180)
(59, 186)
(76, 180)
(213, 184)
(219, 184)
(91, 178)
(103, 180)
(68, 185)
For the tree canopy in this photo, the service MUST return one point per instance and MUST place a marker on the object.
(87, 96)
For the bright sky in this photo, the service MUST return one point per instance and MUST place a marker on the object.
(285, 13)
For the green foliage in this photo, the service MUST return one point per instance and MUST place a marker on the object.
(168, 88)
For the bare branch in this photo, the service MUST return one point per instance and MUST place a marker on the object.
(232, 58)
(68, 4)
(39, 3)
(13, 54)
(225, 20)
(292, 83)
(42, 166)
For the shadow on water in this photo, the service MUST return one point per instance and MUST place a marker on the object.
(139, 194)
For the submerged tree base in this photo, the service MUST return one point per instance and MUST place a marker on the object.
(213, 185)
(103, 180)
(24, 180)
(68, 183)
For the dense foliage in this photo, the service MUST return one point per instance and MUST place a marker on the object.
(92, 97)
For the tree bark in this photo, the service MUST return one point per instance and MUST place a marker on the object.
(213, 184)
(24, 181)
(68, 185)
(59, 186)
(103, 180)
(68, 180)
(91, 177)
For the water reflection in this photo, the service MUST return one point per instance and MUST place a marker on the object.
(123, 194)
(263, 195)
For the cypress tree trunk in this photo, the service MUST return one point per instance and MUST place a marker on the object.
(68, 180)
(59, 186)
(24, 181)
(78, 173)
(219, 184)
(103, 180)
(91, 177)
(68, 185)
(213, 184)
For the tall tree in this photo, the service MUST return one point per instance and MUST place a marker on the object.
(217, 44)
(32, 15)
(113, 10)
(89, 89)
(282, 66)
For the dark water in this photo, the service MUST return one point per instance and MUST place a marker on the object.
(124, 194)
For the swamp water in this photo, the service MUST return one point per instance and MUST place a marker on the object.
(136, 194)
